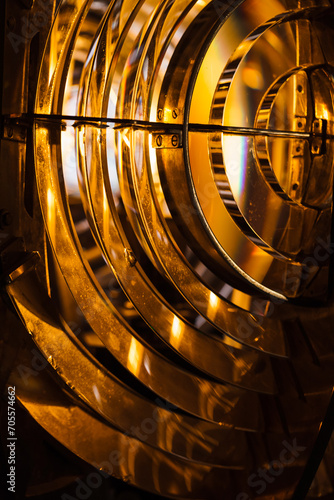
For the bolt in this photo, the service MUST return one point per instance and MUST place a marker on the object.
(10, 132)
(317, 125)
(315, 149)
(160, 114)
(175, 141)
(175, 113)
(159, 141)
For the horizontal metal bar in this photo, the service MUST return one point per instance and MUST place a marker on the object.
(192, 127)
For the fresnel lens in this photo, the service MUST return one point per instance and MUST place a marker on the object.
(166, 179)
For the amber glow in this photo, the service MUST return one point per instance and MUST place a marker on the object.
(172, 254)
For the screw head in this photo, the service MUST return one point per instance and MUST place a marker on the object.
(175, 141)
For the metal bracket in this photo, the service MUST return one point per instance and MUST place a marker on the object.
(14, 132)
(162, 140)
(28, 263)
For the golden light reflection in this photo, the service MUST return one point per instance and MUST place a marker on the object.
(235, 245)
(177, 331)
(82, 140)
(125, 138)
(135, 356)
(239, 297)
(97, 393)
(213, 305)
(253, 77)
(51, 211)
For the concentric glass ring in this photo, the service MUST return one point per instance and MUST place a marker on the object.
(166, 144)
